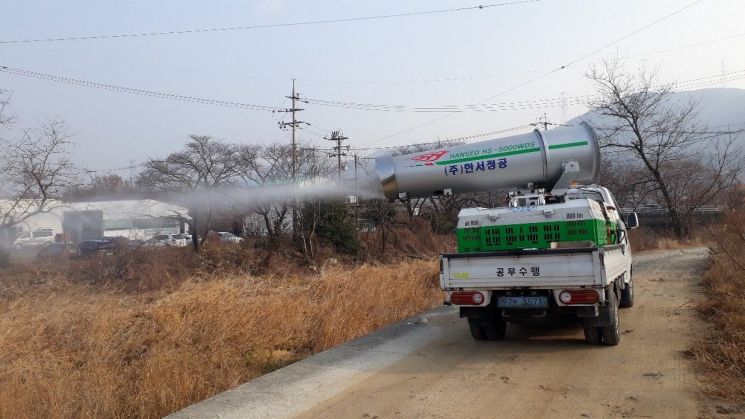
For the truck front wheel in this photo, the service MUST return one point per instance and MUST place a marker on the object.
(611, 333)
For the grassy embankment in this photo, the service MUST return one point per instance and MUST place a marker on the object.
(146, 333)
(721, 352)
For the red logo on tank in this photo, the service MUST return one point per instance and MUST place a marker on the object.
(429, 158)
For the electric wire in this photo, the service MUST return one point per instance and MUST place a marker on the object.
(269, 26)
(116, 169)
(517, 105)
(451, 109)
(517, 73)
(534, 79)
(514, 105)
(132, 91)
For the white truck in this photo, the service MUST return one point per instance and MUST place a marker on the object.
(585, 273)
(557, 250)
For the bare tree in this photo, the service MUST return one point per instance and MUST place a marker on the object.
(268, 165)
(644, 124)
(272, 164)
(99, 187)
(6, 118)
(629, 180)
(192, 178)
(382, 213)
(34, 171)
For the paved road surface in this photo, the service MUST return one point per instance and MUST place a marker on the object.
(433, 369)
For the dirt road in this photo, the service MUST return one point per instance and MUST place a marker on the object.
(549, 372)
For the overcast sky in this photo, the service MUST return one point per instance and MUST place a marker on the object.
(362, 61)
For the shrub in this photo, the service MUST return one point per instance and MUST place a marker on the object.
(332, 222)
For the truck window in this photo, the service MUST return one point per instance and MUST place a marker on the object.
(595, 196)
(43, 233)
(613, 201)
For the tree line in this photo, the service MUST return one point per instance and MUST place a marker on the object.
(653, 150)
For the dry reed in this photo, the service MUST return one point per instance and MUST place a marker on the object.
(721, 352)
(76, 350)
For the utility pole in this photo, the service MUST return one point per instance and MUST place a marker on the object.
(543, 121)
(723, 72)
(355, 173)
(563, 107)
(132, 174)
(293, 124)
(338, 137)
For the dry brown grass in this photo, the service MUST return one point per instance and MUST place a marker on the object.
(77, 349)
(721, 353)
(652, 239)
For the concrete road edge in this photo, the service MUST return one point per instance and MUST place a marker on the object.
(300, 386)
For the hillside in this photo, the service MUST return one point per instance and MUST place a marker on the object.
(718, 108)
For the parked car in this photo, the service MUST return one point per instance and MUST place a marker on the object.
(40, 237)
(185, 237)
(91, 247)
(227, 237)
(56, 251)
(171, 240)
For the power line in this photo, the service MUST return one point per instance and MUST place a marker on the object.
(117, 169)
(632, 33)
(560, 101)
(268, 26)
(451, 109)
(132, 91)
(499, 106)
(435, 80)
(517, 72)
(452, 139)
(532, 80)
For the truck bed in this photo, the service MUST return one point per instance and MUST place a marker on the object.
(535, 269)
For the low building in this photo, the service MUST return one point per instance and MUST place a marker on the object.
(134, 219)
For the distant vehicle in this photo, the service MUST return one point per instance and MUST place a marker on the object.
(96, 246)
(171, 240)
(134, 244)
(57, 251)
(186, 237)
(652, 206)
(227, 237)
(40, 237)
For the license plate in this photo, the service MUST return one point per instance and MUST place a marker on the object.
(522, 302)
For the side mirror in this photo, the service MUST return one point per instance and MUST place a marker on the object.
(632, 221)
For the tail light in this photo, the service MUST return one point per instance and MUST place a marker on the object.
(586, 296)
(467, 298)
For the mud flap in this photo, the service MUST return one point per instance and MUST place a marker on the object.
(595, 316)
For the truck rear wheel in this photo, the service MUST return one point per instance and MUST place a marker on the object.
(496, 329)
(627, 295)
(478, 332)
(491, 330)
(611, 333)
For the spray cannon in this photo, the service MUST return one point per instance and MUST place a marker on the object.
(559, 248)
(553, 160)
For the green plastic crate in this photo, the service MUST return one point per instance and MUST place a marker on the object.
(530, 236)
